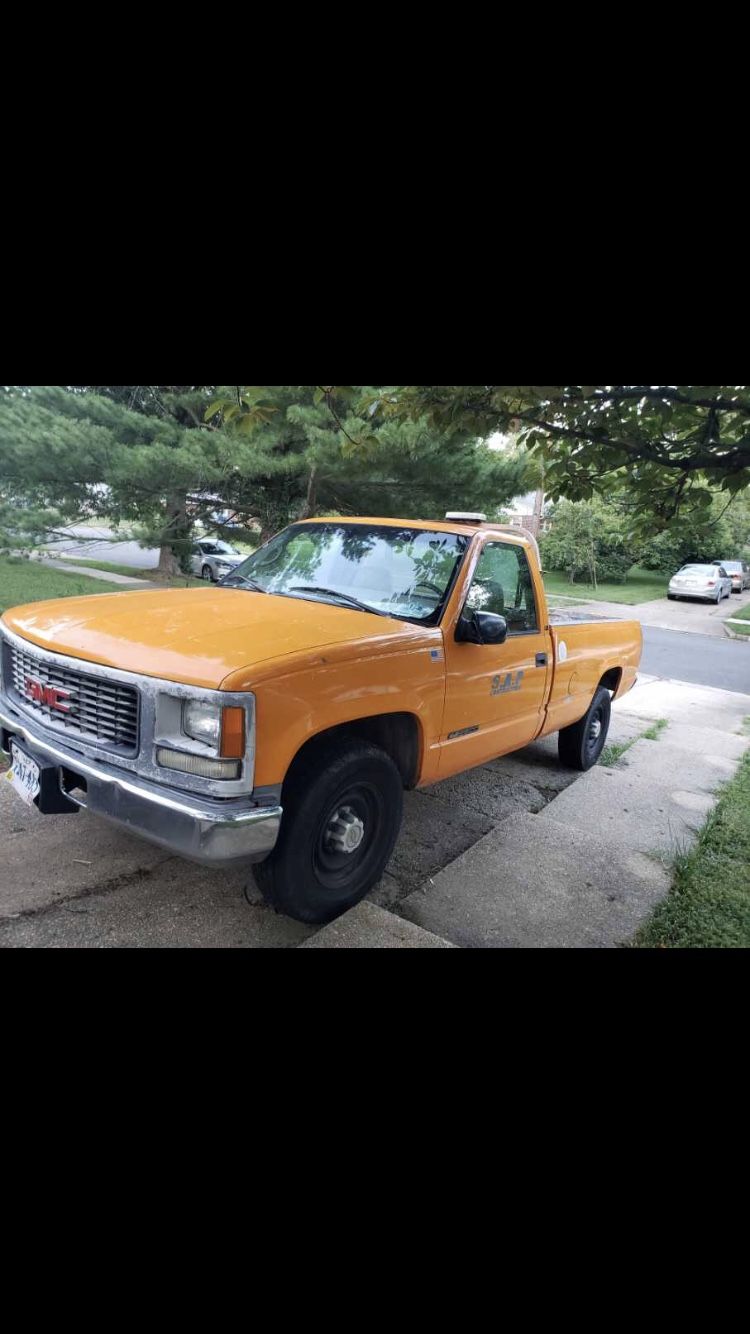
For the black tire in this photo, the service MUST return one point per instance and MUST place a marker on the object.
(672, 597)
(306, 875)
(580, 745)
(207, 573)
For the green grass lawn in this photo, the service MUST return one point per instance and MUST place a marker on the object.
(131, 572)
(562, 603)
(642, 586)
(110, 567)
(709, 903)
(614, 752)
(30, 581)
(743, 614)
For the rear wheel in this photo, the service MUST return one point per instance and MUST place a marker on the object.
(672, 597)
(580, 745)
(342, 813)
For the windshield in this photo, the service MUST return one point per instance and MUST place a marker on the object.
(732, 566)
(217, 549)
(699, 569)
(401, 572)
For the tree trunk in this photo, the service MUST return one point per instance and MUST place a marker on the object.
(310, 499)
(169, 565)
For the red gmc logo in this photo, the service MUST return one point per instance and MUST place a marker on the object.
(52, 696)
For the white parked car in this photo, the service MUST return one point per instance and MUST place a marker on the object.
(213, 559)
(738, 571)
(711, 583)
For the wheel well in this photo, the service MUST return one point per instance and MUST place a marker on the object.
(398, 734)
(612, 679)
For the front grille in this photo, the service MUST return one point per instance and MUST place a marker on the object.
(105, 711)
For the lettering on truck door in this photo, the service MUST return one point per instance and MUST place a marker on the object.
(495, 693)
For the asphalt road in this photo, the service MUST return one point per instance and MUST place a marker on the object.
(101, 544)
(696, 658)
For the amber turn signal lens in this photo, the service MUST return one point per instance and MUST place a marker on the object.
(233, 733)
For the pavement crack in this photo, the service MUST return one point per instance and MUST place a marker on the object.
(116, 882)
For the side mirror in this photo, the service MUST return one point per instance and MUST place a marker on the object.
(481, 627)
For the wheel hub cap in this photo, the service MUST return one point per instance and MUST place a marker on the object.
(345, 831)
(596, 728)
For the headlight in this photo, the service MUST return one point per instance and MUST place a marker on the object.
(206, 737)
(202, 722)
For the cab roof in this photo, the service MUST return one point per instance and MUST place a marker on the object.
(436, 525)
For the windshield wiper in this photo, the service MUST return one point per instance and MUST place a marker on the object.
(334, 593)
(228, 582)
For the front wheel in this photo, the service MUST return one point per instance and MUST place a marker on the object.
(580, 745)
(343, 804)
(206, 574)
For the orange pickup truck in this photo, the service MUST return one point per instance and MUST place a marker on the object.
(277, 717)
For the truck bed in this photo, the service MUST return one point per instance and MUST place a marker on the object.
(583, 657)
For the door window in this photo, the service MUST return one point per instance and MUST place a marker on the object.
(502, 584)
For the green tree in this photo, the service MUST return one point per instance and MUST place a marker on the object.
(737, 518)
(587, 540)
(138, 455)
(294, 458)
(703, 534)
(153, 461)
(665, 442)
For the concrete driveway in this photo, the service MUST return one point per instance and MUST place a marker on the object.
(75, 880)
(701, 618)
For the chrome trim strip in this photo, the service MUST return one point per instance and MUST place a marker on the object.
(143, 762)
(39, 663)
(215, 833)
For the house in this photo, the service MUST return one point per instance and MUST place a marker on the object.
(528, 512)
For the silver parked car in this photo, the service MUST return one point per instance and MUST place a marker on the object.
(738, 571)
(213, 559)
(711, 583)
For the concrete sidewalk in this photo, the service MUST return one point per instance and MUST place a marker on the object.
(511, 831)
(589, 868)
(70, 568)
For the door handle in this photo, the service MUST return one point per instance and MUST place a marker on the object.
(541, 659)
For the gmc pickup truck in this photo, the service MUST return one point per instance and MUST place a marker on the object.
(277, 717)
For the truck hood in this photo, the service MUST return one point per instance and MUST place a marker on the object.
(195, 636)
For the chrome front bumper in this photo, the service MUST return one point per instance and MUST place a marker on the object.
(217, 833)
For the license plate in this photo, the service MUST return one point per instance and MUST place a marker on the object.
(23, 775)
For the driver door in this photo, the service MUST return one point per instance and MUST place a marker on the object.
(496, 693)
